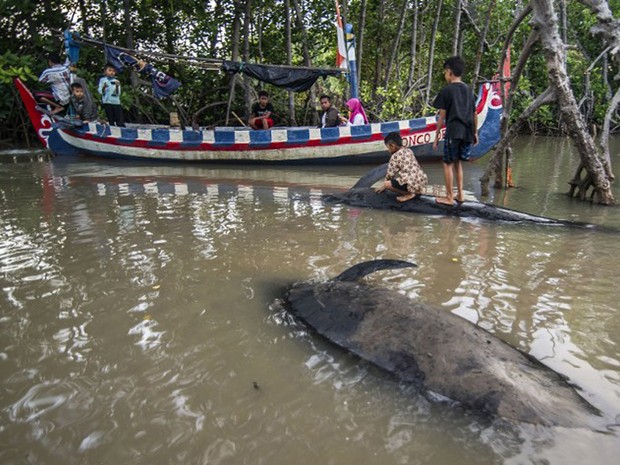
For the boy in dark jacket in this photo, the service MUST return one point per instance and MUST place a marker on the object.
(84, 108)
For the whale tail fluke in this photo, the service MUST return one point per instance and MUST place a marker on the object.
(365, 268)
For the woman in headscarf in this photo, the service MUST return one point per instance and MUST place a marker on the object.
(357, 114)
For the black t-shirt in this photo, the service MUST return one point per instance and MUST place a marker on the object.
(258, 111)
(458, 101)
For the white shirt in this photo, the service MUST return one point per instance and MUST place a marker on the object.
(59, 78)
(357, 121)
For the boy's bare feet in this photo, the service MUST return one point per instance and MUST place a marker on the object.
(404, 198)
(444, 201)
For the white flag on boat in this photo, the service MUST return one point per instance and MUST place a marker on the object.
(341, 55)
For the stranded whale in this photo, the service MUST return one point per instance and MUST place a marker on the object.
(436, 350)
(362, 195)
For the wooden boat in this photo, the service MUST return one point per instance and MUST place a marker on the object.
(306, 145)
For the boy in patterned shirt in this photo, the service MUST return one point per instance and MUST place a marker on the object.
(404, 174)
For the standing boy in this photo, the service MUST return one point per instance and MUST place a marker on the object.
(110, 90)
(262, 111)
(457, 111)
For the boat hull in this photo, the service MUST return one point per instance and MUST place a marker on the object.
(344, 144)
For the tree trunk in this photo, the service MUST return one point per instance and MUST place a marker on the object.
(217, 11)
(289, 60)
(129, 43)
(259, 29)
(615, 101)
(414, 39)
(475, 26)
(483, 38)
(396, 44)
(546, 23)
(494, 165)
(457, 27)
(247, 20)
(378, 56)
(608, 28)
(431, 53)
(360, 39)
(235, 55)
(507, 99)
(307, 60)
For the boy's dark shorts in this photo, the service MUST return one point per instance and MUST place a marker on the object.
(455, 150)
(399, 186)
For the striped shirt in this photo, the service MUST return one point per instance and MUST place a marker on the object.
(59, 78)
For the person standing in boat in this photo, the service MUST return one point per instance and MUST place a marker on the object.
(329, 117)
(357, 115)
(58, 76)
(457, 110)
(110, 90)
(262, 112)
(404, 174)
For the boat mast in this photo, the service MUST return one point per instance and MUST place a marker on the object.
(350, 37)
(346, 51)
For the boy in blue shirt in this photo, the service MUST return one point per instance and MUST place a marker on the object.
(457, 109)
(110, 90)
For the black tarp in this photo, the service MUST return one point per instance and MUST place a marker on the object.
(293, 79)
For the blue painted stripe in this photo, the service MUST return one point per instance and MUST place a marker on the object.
(418, 123)
(298, 136)
(361, 132)
(330, 134)
(392, 126)
(160, 136)
(191, 138)
(224, 137)
(260, 137)
(103, 130)
(128, 135)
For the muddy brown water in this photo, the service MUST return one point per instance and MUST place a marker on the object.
(138, 323)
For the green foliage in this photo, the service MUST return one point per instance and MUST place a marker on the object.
(14, 66)
(183, 27)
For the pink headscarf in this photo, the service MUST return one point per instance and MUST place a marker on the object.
(356, 108)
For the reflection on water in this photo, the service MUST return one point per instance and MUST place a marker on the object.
(139, 320)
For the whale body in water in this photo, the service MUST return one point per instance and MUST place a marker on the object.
(436, 350)
(362, 195)
(426, 204)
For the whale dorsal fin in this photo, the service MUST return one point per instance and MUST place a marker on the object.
(365, 268)
(371, 177)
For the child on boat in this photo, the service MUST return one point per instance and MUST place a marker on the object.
(110, 90)
(404, 174)
(457, 109)
(81, 106)
(262, 111)
(58, 77)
